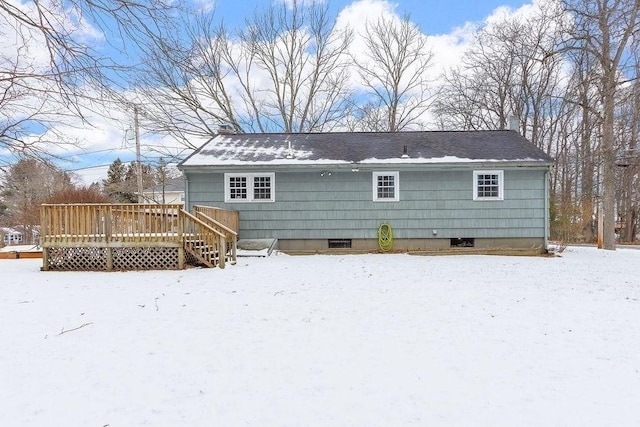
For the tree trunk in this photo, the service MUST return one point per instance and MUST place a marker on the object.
(609, 162)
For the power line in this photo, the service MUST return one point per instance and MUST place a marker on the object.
(86, 153)
(148, 160)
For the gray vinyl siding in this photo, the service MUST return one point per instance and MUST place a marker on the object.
(310, 206)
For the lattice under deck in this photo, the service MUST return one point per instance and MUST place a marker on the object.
(95, 259)
(145, 258)
(77, 259)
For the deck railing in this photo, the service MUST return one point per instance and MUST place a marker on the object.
(203, 241)
(136, 226)
(203, 214)
(230, 219)
(95, 224)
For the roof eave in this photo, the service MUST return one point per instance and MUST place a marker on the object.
(367, 165)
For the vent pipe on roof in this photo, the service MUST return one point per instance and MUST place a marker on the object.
(290, 151)
(405, 154)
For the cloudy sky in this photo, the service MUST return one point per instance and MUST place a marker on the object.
(447, 25)
(433, 16)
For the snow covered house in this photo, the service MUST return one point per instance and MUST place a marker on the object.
(414, 191)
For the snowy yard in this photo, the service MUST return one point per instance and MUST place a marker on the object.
(363, 340)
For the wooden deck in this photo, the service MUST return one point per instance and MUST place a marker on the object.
(136, 236)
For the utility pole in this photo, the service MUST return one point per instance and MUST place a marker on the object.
(138, 164)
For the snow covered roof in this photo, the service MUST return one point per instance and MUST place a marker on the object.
(365, 148)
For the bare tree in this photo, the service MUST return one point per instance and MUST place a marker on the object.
(627, 133)
(477, 93)
(583, 93)
(303, 57)
(513, 69)
(507, 71)
(393, 69)
(24, 187)
(286, 71)
(49, 70)
(463, 104)
(605, 28)
(163, 174)
(184, 84)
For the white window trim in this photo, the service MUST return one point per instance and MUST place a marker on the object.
(250, 178)
(500, 174)
(396, 181)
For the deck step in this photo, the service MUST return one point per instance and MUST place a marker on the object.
(201, 252)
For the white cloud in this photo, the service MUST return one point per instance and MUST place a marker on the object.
(448, 49)
(356, 15)
(85, 146)
(204, 6)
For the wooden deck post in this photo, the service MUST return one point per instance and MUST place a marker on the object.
(222, 254)
(181, 257)
(234, 249)
(44, 232)
(109, 258)
(181, 239)
(45, 259)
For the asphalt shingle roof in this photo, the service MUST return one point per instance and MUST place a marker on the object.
(358, 147)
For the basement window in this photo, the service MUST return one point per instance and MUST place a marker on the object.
(460, 242)
(339, 243)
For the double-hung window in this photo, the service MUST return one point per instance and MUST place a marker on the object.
(488, 185)
(249, 187)
(386, 186)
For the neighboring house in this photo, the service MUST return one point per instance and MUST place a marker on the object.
(317, 191)
(172, 192)
(11, 236)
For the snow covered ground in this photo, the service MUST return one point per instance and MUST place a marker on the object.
(362, 340)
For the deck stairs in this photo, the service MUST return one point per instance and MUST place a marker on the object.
(207, 242)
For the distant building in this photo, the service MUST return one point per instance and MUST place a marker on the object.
(11, 236)
(171, 192)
